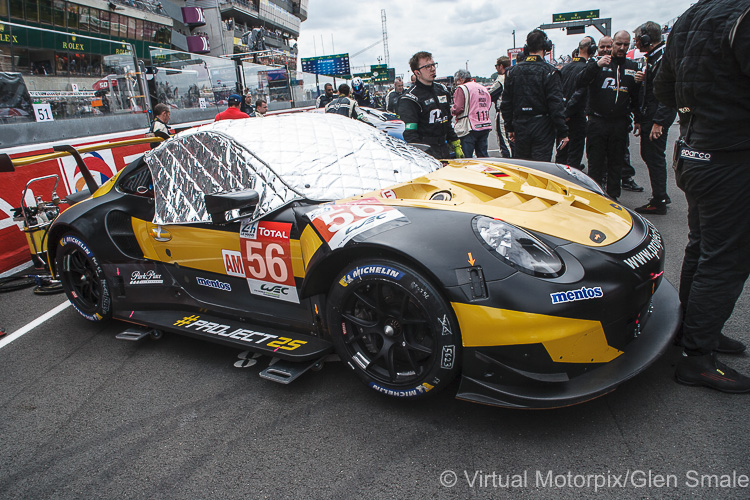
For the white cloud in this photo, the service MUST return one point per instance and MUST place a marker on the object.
(457, 30)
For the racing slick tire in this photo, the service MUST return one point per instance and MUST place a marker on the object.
(394, 329)
(82, 278)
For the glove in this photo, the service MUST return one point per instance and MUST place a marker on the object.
(456, 145)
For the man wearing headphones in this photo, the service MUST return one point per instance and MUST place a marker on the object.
(575, 104)
(613, 97)
(655, 120)
(532, 105)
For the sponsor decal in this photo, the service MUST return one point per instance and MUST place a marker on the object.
(233, 264)
(429, 101)
(597, 236)
(149, 277)
(370, 270)
(582, 293)
(273, 291)
(267, 260)
(692, 154)
(219, 285)
(275, 342)
(652, 250)
(442, 99)
(338, 224)
(615, 206)
(405, 393)
(446, 360)
(629, 72)
(388, 193)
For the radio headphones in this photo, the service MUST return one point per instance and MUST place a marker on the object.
(547, 44)
(593, 46)
(644, 38)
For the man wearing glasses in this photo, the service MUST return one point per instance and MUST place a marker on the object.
(426, 110)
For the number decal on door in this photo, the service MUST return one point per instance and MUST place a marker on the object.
(268, 261)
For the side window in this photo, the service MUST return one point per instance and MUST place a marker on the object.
(138, 182)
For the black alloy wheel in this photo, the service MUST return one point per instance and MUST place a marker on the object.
(393, 329)
(82, 278)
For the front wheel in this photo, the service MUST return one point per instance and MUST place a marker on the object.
(394, 329)
(82, 278)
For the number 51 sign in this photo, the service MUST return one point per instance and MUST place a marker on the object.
(43, 112)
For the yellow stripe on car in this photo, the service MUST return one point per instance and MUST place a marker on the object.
(567, 340)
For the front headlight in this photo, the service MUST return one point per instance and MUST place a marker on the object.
(517, 248)
(580, 176)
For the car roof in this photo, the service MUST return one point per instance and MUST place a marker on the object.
(320, 157)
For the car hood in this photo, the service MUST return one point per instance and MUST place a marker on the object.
(522, 196)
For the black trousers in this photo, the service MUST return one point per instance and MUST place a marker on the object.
(653, 153)
(572, 154)
(606, 140)
(717, 257)
(627, 169)
(505, 146)
(535, 138)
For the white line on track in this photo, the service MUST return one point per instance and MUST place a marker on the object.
(26, 329)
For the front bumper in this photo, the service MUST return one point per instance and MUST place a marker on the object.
(527, 390)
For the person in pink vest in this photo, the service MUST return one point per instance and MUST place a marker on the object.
(471, 109)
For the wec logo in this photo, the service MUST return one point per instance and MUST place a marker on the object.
(275, 289)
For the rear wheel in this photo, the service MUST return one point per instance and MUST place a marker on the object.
(82, 278)
(394, 329)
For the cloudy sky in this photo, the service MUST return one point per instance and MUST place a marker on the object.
(457, 31)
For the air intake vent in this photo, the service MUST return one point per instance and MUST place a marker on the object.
(120, 230)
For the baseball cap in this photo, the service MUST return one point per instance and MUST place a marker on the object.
(234, 99)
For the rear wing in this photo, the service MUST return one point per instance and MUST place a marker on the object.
(8, 164)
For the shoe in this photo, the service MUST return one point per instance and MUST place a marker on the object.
(669, 200)
(707, 371)
(654, 207)
(630, 185)
(730, 346)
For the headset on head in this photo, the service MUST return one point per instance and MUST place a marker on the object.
(592, 48)
(644, 38)
(547, 45)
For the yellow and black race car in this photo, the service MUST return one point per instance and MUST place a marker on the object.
(302, 235)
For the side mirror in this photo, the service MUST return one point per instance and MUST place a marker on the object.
(220, 203)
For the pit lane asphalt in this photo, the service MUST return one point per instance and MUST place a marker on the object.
(83, 415)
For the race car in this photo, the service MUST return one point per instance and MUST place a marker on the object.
(306, 235)
(382, 120)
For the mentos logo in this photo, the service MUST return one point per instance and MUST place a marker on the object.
(214, 284)
(581, 294)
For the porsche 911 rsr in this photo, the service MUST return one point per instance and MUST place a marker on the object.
(308, 234)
